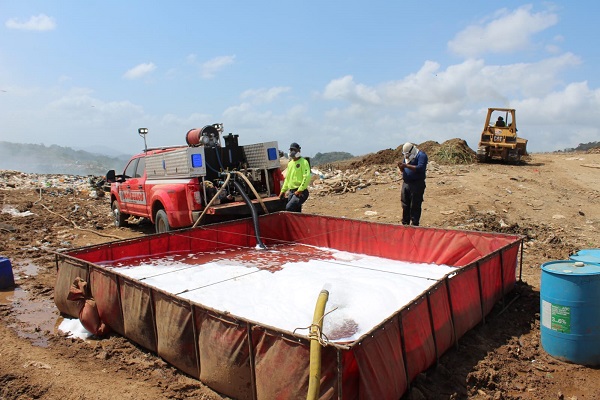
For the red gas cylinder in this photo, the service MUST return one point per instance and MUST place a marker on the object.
(209, 135)
(193, 137)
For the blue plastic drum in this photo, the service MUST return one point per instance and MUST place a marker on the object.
(7, 279)
(587, 255)
(570, 311)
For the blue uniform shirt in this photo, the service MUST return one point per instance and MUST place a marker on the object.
(419, 175)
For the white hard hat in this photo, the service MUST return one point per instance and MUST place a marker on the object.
(409, 151)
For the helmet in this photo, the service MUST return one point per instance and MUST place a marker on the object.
(294, 150)
(409, 151)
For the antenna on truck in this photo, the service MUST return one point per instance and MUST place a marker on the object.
(143, 132)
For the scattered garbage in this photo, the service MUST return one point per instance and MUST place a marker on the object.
(53, 184)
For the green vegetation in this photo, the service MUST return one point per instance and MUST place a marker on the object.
(584, 146)
(327, 158)
(453, 155)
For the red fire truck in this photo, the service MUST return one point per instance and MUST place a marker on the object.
(176, 186)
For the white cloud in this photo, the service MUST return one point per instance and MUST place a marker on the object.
(293, 124)
(440, 104)
(184, 124)
(575, 104)
(506, 33)
(191, 59)
(211, 67)
(75, 117)
(79, 107)
(561, 119)
(346, 88)
(40, 22)
(139, 71)
(246, 115)
(437, 101)
(460, 84)
(259, 96)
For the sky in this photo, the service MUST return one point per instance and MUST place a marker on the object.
(350, 76)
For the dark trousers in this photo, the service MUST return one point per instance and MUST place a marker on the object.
(294, 203)
(412, 199)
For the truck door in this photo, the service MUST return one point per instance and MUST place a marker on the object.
(131, 192)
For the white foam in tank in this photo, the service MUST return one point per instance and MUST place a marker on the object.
(363, 290)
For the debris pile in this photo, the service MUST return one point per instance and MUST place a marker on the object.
(451, 152)
(336, 181)
(332, 180)
(53, 184)
(50, 211)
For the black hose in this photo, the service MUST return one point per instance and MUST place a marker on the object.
(240, 188)
(217, 151)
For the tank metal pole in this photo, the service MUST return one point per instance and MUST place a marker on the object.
(521, 262)
(481, 300)
(432, 325)
(252, 360)
(403, 349)
(448, 292)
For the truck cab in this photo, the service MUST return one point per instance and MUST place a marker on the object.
(131, 190)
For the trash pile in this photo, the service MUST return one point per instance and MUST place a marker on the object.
(94, 186)
(330, 180)
(50, 211)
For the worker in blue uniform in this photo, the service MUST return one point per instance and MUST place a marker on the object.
(413, 168)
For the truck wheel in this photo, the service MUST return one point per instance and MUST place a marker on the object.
(120, 219)
(161, 222)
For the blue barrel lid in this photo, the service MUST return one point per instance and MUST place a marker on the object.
(571, 267)
(587, 255)
(589, 252)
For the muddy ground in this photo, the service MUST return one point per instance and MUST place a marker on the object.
(553, 200)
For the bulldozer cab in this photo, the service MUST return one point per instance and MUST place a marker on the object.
(501, 118)
(499, 138)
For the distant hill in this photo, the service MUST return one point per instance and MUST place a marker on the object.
(584, 146)
(41, 159)
(54, 159)
(326, 158)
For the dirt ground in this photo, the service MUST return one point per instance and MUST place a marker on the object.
(553, 200)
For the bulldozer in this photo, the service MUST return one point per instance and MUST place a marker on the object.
(499, 140)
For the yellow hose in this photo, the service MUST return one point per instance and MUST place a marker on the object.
(314, 377)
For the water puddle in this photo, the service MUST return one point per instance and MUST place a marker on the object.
(34, 319)
(25, 269)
